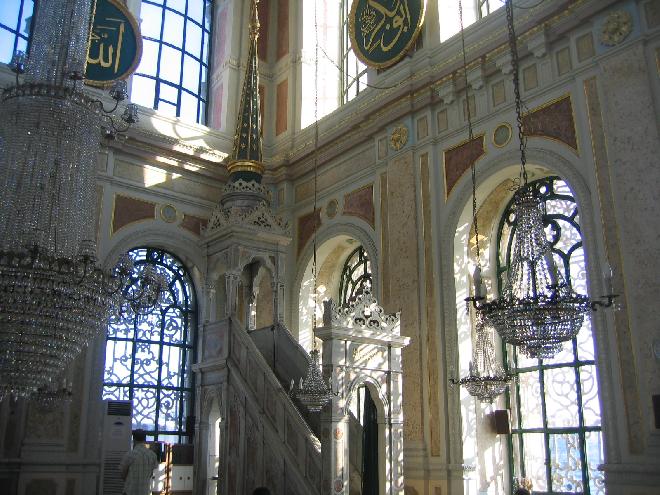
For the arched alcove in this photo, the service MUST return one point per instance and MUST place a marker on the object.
(331, 256)
(543, 451)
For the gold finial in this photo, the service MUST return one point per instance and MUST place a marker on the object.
(254, 21)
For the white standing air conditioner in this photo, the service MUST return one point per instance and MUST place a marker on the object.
(117, 428)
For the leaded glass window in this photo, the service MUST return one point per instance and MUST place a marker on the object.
(148, 357)
(172, 75)
(354, 72)
(355, 276)
(15, 27)
(556, 438)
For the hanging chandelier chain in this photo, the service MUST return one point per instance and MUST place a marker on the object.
(316, 163)
(513, 46)
(470, 135)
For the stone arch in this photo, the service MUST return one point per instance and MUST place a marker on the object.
(492, 174)
(382, 404)
(334, 244)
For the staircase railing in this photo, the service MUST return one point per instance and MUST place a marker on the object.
(292, 428)
(288, 360)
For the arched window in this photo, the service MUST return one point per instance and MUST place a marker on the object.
(15, 27)
(148, 357)
(172, 75)
(355, 276)
(354, 72)
(556, 438)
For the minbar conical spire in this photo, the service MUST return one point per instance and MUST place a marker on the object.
(246, 157)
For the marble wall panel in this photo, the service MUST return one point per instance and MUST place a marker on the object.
(307, 224)
(360, 203)
(282, 28)
(403, 280)
(129, 210)
(633, 147)
(434, 371)
(216, 101)
(193, 224)
(282, 104)
(459, 158)
(553, 120)
(152, 177)
(262, 42)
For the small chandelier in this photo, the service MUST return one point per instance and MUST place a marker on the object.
(54, 296)
(538, 310)
(53, 394)
(313, 391)
(486, 379)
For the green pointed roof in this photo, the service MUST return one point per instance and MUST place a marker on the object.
(246, 157)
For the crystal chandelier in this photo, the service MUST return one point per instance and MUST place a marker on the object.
(538, 310)
(486, 379)
(314, 392)
(54, 297)
(53, 394)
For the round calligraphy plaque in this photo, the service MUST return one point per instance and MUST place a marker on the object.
(382, 31)
(115, 44)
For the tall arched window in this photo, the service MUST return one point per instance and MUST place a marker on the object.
(556, 438)
(354, 72)
(15, 24)
(172, 75)
(148, 357)
(355, 276)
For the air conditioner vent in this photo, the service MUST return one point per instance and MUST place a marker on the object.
(119, 408)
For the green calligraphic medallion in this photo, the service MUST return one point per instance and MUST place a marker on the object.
(382, 31)
(115, 44)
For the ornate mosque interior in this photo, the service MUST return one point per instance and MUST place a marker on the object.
(318, 219)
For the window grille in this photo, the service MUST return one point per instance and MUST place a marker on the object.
(148, 357)
(556, 438)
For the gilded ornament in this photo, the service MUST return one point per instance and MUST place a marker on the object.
(168, 213)
(616, 28)
(399, 137)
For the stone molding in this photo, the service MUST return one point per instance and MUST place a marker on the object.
(364, 312)
(261, 217)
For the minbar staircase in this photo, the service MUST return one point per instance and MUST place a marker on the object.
(288, 360)
(264, 438)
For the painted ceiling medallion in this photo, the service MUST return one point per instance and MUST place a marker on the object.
(616, 28)
(383, 31)
(399, 137)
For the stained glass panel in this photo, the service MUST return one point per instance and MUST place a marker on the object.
(148, 357)
(555, 404)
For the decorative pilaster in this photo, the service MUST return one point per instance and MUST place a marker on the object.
(232, 279)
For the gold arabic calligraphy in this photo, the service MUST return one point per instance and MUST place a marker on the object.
(387, 31)
(101, 35)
